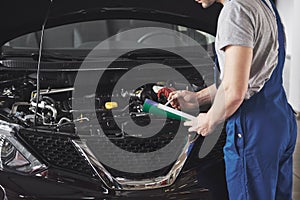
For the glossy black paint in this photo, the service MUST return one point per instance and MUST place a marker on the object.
(192, 184)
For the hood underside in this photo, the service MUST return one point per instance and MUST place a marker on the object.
(28, 16)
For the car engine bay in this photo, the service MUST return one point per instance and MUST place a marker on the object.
(54, 111)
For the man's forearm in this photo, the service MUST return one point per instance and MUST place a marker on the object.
(226, 102)
(207, 95)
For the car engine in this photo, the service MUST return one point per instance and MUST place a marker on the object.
(54, 110)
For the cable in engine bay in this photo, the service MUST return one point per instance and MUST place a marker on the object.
(39, 63)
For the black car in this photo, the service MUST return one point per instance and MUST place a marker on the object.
(74, 78)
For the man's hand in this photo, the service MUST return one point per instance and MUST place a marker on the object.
(187, 100)
(200, 124)
(183, 99)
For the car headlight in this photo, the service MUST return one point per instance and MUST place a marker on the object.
(14, 156)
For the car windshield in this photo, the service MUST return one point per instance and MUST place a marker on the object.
(114, 34)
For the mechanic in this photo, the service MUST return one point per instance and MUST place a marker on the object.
(261, 127)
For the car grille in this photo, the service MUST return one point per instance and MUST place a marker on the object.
(57, 150)
(143, 145)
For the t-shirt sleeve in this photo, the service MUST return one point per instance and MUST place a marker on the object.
(235, 27)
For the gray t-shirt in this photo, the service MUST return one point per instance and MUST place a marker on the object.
(252, 24)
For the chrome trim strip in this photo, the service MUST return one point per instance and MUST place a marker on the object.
(3, 192)
(105, 176)
(118, 183)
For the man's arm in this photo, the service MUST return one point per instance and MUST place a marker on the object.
(187, 100)
(206, 95)
(231, 92)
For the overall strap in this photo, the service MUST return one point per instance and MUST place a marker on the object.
(281, 36)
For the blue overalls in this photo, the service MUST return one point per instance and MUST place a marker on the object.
(261, 138)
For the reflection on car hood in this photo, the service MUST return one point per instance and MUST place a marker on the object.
(20, 17)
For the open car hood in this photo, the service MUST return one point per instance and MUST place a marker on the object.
(20, 17)
(80, 117)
